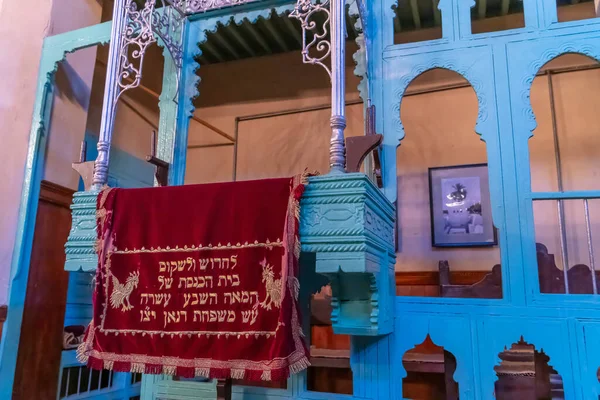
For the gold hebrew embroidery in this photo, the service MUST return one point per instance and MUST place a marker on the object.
(268, 244)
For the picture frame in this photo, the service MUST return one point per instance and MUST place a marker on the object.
(460, 206)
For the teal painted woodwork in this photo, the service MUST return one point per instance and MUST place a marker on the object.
(54, 50)
(501, 67)
(348, 223)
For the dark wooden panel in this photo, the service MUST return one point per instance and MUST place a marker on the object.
(40, 346)
(432, 278)
(329, 380)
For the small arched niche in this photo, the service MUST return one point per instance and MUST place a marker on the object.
(444, 217)
(526, 373)
(564, 154)
(429, 372)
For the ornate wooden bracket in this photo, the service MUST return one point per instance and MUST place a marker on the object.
(349, 225)
(359, 147)
(162, 167)
(84, 168)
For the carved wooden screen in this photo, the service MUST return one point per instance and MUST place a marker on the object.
(500, 65)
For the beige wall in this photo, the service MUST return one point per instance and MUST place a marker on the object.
(72, 93)
(275, 145)
(440, 132)
(21, 36)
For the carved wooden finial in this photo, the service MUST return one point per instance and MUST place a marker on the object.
(162, 167)
(359, 147)
(84, 168)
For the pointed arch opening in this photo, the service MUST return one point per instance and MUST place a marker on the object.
(429, 372)
(564, 165)
(445, 229)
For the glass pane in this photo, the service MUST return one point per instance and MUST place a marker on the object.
(449, 144)
(561, 230)
(564, 147)
(494, 16)
(417, 21)
(574, 10)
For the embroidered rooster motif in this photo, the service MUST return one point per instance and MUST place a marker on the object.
(274, 295)
(120, 294)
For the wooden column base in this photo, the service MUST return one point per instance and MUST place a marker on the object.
(224, 389)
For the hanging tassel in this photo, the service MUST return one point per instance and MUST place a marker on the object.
(266, 375)
(169, 370)
(238, 373)
(138, 368)
(202, 372)
(299, 365)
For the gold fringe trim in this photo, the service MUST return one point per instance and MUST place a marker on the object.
(169, 370)
(202, 372)
(266, 375)
(238, 373)
(80, 354)
(297, 247)
(138, 368)
(295, 287)
(108, 365)
(299, 365)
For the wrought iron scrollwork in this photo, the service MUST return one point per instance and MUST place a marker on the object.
(198, 6)
(168, 25)
(141, 30)
(137, 34)
(314, 36)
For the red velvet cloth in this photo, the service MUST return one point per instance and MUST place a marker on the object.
(198, 280)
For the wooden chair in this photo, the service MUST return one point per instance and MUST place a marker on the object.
(489, 287)
(552, 279)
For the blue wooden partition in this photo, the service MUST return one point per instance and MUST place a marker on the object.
(500, 66)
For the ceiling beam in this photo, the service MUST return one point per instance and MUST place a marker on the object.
(505, 7)
(482, 9)
(214, 52)
(350, 26)
(203, 60)
(414, 7)
(232, 28)
(259, 39)
(280, 42)
(437, 14)
(223, 42)
(297, 35)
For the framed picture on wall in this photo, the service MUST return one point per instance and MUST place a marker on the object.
(461, 211)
